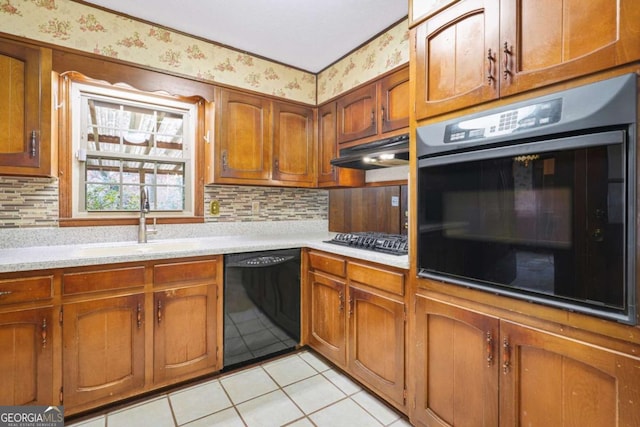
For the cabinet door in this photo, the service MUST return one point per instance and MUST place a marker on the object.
(456, 366)
(327, 144)
(329, 175)
(551, 380)
(294, 146)
(103, 349)
(184, 332)
(25, 109)
(26, 365)
(376, 342)
(394, 101)
(327, 321)
(244, 142)
(547, 41)
(357, 116)
(451, 55)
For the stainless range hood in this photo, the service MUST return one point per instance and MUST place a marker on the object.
(384, 153)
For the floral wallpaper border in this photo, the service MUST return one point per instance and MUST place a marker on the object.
(83, 27)
(384, 53)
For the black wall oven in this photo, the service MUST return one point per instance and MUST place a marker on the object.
(536, 200)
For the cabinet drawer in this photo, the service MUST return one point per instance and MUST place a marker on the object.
(102, 280)
(181, 272)
(26, 290)
(386, 280)
(328, 264)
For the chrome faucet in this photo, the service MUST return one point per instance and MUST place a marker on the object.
(143, 231)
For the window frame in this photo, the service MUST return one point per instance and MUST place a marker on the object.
(69, 127)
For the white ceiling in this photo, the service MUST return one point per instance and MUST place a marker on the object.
(307, 34)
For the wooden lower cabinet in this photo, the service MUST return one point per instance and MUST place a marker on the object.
(184, 332)
(376, 342)
(103, 349)
(357, 323)
(131, 328)
(548, 380)
(455, 366)
(327, 317)
(26, 358)
(472, 369)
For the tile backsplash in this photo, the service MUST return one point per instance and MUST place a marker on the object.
(243, 204)
(28, 202)
(33, 202)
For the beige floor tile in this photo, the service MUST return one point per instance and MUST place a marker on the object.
(343, 382)
(345, 413)
(93, 422)
(376, 408)
(301, 423)
(248, 384)
(196, 402)
(289, 370)
(271, 410)
(314, 393)
(226, 418)
(315, 362)
(156, 413)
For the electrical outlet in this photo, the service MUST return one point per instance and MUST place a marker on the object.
(255, 207)
(214, 207)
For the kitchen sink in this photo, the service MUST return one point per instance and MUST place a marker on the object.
(132, 248)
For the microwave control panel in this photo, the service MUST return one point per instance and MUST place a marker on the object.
(506, 122)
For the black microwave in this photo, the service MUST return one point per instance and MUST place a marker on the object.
(536, 200)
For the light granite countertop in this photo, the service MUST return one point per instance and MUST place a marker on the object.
(27, 258)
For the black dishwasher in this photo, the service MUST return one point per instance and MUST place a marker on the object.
(261, 305)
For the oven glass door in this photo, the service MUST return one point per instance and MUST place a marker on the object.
(544, 221)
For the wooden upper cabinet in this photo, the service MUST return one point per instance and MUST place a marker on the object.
(329, 175)
(26, 146)
(374, 109)
(451, 51)
(261, 142)
(357, 114)
(394, 101)
(243, 143)
(294, 148)
(547, 41)
(478, 50)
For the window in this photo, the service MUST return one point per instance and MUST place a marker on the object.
(125, 142)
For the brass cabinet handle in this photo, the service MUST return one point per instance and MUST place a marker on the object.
(341, 301)
(33, 142)
(489, 341)
(491, 78)
(139, 315)
(383, 115)
(373, 118)
(44, 333)
(508, 52)
(276, 164)
(506, 356)
(159, 312)
(224, 160)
